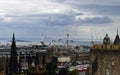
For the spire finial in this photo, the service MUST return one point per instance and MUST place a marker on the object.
(106, 34)
(117, 30)
(13, 39)
(13, 35)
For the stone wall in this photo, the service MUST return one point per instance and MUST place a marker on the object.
(108, 61)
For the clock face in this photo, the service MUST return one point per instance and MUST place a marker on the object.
(107, 41)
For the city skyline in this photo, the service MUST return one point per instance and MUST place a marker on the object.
(56, 18)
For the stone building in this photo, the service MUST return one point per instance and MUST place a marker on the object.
(38, 67)
(105, 59)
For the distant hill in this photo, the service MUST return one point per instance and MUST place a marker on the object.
(21, 41)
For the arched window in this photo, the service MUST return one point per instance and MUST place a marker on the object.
(107, 70)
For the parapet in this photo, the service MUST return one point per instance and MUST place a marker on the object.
(105, 47)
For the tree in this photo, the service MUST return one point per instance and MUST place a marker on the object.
(74, 72)
(52, 68)
(2, 64)
(64, 71)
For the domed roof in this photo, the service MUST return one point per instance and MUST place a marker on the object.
(106, 39)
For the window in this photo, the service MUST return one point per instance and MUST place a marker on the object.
(113, 63)
(107, 71)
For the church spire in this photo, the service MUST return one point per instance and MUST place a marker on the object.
(117, 30)
(13, 58)
(117, 39)
(13, 41)
(13, 37)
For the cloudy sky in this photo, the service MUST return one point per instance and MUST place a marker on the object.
(56, 18)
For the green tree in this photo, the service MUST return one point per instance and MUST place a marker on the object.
(74, 72)
(64, 71)
(2, 64)
(52, 68)
(14, 73)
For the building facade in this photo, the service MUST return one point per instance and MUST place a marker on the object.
(105, 59)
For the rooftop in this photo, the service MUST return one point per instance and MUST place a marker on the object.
(106, 47)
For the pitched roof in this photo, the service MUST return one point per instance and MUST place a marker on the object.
(117, 40)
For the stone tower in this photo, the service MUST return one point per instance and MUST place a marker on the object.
(105, 58)
(106, 40)
(13, 58)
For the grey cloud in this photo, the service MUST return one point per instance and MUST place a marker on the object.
(60, 1)
(1, 19)
(57, 20)
(103, 9)
(31, 22)
(113, 10)
(101, 2)
(62, 20)
(95, 20)
(51, 19)
(79, 14)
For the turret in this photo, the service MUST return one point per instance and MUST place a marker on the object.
(106, 40)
